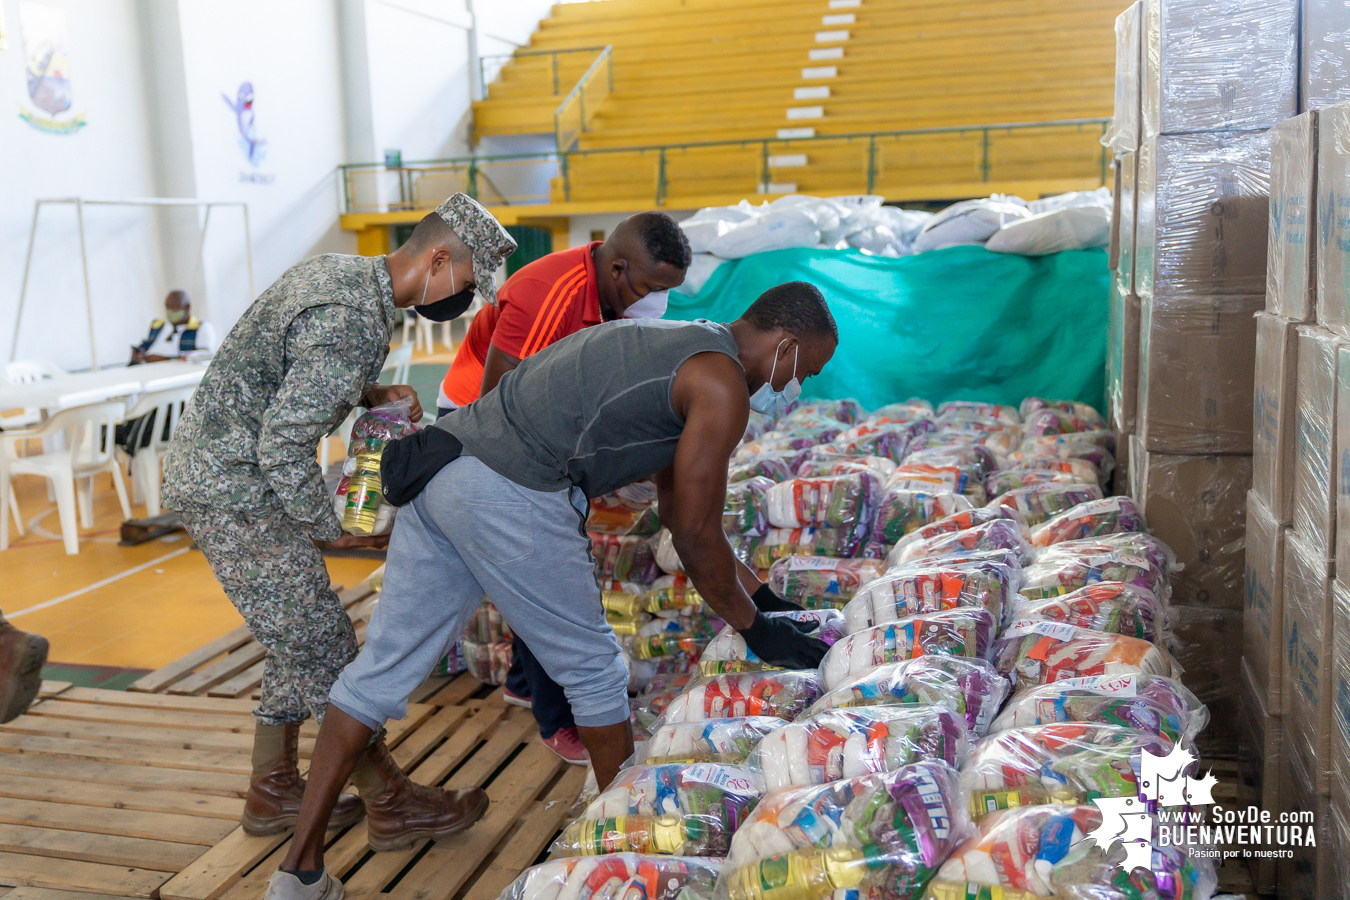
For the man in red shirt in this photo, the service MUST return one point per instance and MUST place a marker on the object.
(626, 276)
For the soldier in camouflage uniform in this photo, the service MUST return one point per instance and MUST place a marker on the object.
(243, 476)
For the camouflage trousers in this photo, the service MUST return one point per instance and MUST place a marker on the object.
(276, 578)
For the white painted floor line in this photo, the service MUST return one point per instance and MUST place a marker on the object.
(98, 584)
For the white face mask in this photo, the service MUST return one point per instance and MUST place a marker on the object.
(652, 306)
(766, 399)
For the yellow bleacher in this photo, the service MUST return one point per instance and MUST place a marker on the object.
(696, 71)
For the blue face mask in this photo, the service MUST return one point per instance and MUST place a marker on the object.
(766, 399)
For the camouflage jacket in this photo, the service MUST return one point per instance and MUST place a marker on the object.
(291, 369)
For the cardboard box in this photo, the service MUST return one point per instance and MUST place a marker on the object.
(1273, 414)
(1122, 365)
(1134, 478)
(1197, 505)
(1216, 68)
(1263, 614)
(1291, 276)
(1205, 642)
(1337, 883)
(1340, 690)
(1307, 657)
(1125, 123)
(1113, 245)
(1340, 452)
(1201, 211)
(1260, 748)
(1315, 439)
(1324, 63)
(1306, 875)
(1333, 217)
(1120, 483)
(1126, 204)
(1197, 367)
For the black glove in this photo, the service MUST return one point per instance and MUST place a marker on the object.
(767, 601)
(780, 642)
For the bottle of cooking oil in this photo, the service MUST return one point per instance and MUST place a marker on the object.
(621, 605)
(667, 643)
(636, 834)
(810, 874)
(363, 494)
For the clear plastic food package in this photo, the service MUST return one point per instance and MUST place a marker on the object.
(1040, 851)
(1108, 606)
(727, 741)
(1128, 543)
(902, 413)
(1004, 480)
(826, 463)
(1082, 470)
(728, 652)
(971, 688)
(955, 632)
(1152, 703)
(890, 442)
(746, 510)
(677, 809)
(956, 453)
(774, 466)
(900, 511)
(629, 510)
(846, 743)
(626, 557)
(1055, 574)
(617, 876)
(873, 837)
(1038, 651)
(778, 543)
(781, 694)
(832, 502)
(821, 582)
(1056, 421)
(998, 411)
(996, 534)
(359, 500)
(1109, 516)
(488, 662)
(958, 521)
(1044, 501)
(930, 586)
(1062, 762)
(1072, 407)
(944, 477)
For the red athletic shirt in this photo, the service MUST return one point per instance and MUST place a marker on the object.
(542, 303)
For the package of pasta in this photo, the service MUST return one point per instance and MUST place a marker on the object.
(955, 632)
(1062, 762)
(944, 477)
(1154, 704)
(1005, 480)
(1072, 407)
(679, 809)
(627, 557)
(1042, 851)
(774, 466)
(822, 582)
(958, 521)
(728, 652)
(901, 511)
(617, 876)
(874, 837)
(932, 586)
(1006, 414)
(996, 534)
(902, 413)
(1039, 651)
(746, 509)
(1044, 501)
(1109, 606)
(824, 463)
(971, 688)
(846, 743)
(778, 543)
(832, 502)
(1055, 574)
(1111, 515)
(629, 510)
(488, 662)
(727, 741)
(780, 694)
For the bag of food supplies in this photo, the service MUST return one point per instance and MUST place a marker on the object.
(932, 586)
(1044, 501)
(679, 809)
(833, 502)
(823, 463)
(971, 688)
(847, 743)
(1038, 651)
(960, 521)
(902, 511)
(1112, 515)
(629, 510)
(902, 413)
(1090, 445)
(1082, 470)
(997, 534)
(1154, 704)
(847, 410)
(822, 582)
(728, 652)
(1005, 480)
(1055, 421)
(1041, 851)
(1125, 543)
(1073, 407)
(876, 836)
(776, 466)
(488, 662)
(650, 705)
(359, 499)
(781, 694)
(617, 876)
(954, 632)
(1055, 574)
(889, 442)
(959, 454)
(626, 557)
(1063, 762)
(846, 541)
(727, 741)
(1108, 606)
(949, 477)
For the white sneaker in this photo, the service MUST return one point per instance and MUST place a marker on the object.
(285, 886)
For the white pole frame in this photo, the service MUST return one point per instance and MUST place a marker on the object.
(80, 203)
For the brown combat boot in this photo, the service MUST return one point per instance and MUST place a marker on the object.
(399, 812)
(22, 656)
(275, 791)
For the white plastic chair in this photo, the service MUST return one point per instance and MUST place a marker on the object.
(399, 361)
(422, 328)
(26, 371)
(89, 431)
(167, 406)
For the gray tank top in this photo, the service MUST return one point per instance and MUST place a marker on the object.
(593, 410)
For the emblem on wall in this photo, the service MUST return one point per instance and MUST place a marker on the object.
(47, 69)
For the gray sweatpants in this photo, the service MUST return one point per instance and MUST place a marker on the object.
(471, 533)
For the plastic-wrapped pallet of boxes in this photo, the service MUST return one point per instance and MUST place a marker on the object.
(1126, 199)
(1340, 692)
(1263, 615)
(1126, 126)
(1261, 744)
(1290, 271)
(1307, 648)
(1333, 218)
(1273, 404)
(1122, 381)
(1211, 67)
(1314, 516)
(1325, 59)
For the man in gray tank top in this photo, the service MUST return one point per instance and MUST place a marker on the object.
(600, 409)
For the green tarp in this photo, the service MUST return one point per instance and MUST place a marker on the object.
(957, 324)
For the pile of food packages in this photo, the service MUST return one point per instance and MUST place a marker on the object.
(998, 629)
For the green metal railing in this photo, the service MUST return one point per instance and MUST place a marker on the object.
(566, 131)
(418, 187)
(501, 59)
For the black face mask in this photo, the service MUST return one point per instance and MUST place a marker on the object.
(451, 307)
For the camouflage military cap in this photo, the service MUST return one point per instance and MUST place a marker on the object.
(485, 236)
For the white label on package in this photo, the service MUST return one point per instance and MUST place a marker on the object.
(1105, 685)
(1060, 631)
(735, 779)
(812, 563)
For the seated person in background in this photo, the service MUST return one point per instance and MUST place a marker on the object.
(176, 336)
(627, 276)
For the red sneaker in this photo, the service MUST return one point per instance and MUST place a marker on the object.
(567, 744)
(511, 697)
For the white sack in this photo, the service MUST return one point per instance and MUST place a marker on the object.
(1069, 228)
(969, 222)
(776, 229)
